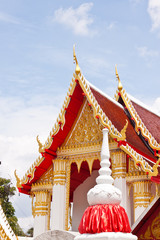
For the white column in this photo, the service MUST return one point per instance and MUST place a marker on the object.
(58, 195)
(118, 159)
(40, 225)
(40, 212)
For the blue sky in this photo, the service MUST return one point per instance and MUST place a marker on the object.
(36, 65)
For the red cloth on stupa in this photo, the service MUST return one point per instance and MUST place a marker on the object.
(104, 218)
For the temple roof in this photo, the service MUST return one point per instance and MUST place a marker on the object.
(126, 127)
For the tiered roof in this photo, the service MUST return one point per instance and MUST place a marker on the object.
(125, 120)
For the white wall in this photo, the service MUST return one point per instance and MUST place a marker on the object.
(80, 199)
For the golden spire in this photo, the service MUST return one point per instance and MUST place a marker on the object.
(120, 87)
(75, 61)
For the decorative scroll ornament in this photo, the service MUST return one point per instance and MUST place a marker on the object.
(123, 132)
(155, 167)
(41, 149)
(18, 184)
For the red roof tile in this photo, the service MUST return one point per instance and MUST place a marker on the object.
(150, 120)
(118, 117)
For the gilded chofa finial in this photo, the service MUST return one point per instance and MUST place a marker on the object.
(75, 61)
(18, 180)
(40, 145)
(120, 87)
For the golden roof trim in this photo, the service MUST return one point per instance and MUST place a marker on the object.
(140, 162)
(139, 123)
(29, 175)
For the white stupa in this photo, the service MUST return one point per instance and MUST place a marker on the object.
(105, 218)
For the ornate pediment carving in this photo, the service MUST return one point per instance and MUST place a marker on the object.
(86, 130)
(47, 176)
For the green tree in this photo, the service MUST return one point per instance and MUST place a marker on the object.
(30, 232)
(7, 191)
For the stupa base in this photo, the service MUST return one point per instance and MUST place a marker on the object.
(107, 236)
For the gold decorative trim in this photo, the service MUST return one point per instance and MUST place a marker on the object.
(138, 121)
(139, 176)
(41, 186)
(49, 210)
(30, 173)
(42, 203)
(39, 145)
(3, 234)
(152, 231)
(142, 193)
(140, 163)
(82, 149)
(67, 194)
(89, 158)
(18, 184)
(118, 161)
(60, 182)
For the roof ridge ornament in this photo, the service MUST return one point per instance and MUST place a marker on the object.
(40, 145)
(18, 184)
(77, 70)
(120, 87)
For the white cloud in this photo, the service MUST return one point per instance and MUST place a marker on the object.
(77, 19)
(20, 123)
(154, 12)
(146, 53)
(8, 18)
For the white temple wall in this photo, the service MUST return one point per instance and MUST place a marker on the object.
(80, 199)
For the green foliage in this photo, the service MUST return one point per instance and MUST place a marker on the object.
(30, 232)
(7, 191)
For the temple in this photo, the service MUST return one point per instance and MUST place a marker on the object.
(69, 160)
